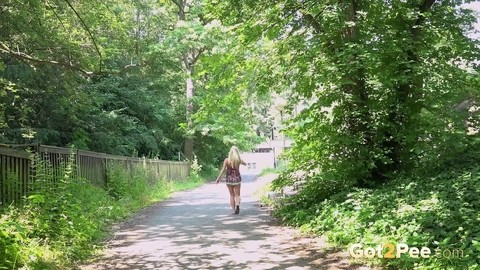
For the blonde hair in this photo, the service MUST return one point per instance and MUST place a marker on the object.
(234, 157)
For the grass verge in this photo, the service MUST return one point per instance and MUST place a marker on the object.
(58, 226)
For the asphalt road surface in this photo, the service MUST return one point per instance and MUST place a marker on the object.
(196, 230)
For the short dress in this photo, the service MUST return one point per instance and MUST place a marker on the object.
(233, 175)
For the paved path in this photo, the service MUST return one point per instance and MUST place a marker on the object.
(195, 230)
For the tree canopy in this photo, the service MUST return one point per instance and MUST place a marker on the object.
(111, 77)
(382, 79)
(376, 92)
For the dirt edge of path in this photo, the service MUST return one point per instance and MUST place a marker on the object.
(315, 247)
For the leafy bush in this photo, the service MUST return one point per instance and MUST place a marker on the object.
(63, 220)
(195, 168)
(279, 169)
(439, 212)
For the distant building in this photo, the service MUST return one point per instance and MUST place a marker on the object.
(266, 154)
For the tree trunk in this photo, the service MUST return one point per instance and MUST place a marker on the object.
(408, 95)
(189, 59)
(190, 91)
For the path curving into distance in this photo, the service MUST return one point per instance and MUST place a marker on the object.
(195, 230)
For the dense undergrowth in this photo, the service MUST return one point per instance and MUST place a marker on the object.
(61, 224)
(440, 212)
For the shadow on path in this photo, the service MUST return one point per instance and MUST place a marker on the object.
(195, 230)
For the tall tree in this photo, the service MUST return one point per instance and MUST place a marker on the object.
(370, 87)
(189, 57)
(53, 90)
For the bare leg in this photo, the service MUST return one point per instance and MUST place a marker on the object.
(232, 197)
(236, 191)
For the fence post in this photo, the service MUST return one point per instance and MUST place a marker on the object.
(106, 172)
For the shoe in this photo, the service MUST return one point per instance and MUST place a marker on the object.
(237, 210)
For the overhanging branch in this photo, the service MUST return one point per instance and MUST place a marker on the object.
(197, 54)
(424, 7)
(25, 57)
(89, 33)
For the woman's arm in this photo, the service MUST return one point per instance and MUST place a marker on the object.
(222, 171)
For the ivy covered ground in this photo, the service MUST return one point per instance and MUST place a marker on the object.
(439, 212)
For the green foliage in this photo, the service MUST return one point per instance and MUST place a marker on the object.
(268, 171)
(368, 90)
(10, 240)
(118, 180)
(195, 168)
(129, 116)
(263, 195)
(65, 219)
(380, 102)
(126, 107)
(279, 169)
(190, 183)
(440, 212)
(132, 101)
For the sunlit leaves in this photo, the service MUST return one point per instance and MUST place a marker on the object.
(374, 69)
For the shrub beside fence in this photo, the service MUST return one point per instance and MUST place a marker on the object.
(17, 168)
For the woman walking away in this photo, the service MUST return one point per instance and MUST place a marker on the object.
(233, 179)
